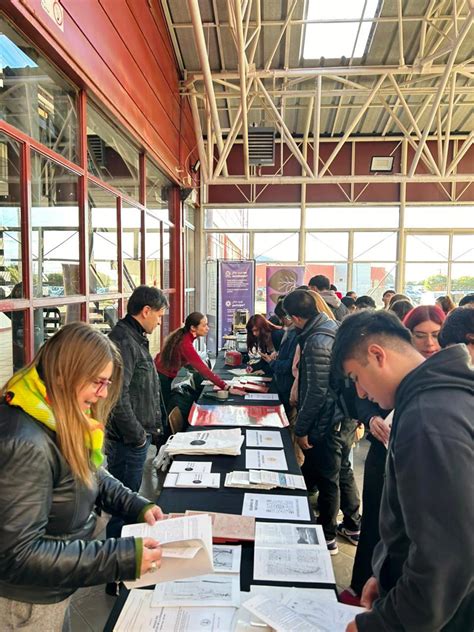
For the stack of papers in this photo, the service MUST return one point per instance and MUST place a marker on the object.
(198, 480)
(296, 610)
(187, 548)
(291, 553)
(206, 442)
(265, 460)
(262, 479)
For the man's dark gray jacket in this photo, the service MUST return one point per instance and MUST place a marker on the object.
(424, 562)
(138, 411)
(316, 406)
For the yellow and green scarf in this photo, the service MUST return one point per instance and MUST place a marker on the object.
(27, 390)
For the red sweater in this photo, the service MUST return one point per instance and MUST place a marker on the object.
(189, 355)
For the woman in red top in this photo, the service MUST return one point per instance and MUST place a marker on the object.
(178, 350)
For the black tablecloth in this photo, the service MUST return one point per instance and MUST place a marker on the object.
(225, 499)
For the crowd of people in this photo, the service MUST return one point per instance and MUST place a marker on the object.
(405, 373)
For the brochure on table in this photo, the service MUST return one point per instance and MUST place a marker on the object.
(233, 415)
(179, 538)
(276, 506)
(138, 615)
(291, 553)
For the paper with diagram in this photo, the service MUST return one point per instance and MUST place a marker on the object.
(276, 506)
(205, 591)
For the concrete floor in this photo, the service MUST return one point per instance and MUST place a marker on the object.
(90, 607)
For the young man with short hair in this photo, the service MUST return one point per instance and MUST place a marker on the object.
(387, 297)
(322, 285)
(138, 414)
(424, 563)
(321, 429)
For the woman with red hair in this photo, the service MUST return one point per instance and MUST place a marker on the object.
(263, 336)
(425, 322)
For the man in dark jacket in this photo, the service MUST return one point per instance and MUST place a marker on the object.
(322, 285)
(424, 562)
(321, 429)
(137, 415)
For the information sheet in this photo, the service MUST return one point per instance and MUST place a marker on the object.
(263, 439)
(276, 507)
(265, 460)
(138, 615)
(190, 466)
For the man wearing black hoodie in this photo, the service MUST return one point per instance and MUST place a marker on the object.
(424, 563)
(322, 285)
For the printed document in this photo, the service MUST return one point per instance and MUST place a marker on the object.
(276, 507)
(279, 617)
(263, 439)
(139, 616)
(190, 531)
(190, 466)
(321, 615)
(226, 558)
(262, 396)
(193, 479)
(206, 591)
(265, 460)
(292, 553)
(229, 527)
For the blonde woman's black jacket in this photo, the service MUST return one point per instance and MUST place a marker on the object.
(424, 562)
(316, 405)
(47, 519)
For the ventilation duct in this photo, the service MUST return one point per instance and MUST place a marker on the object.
(261, 146)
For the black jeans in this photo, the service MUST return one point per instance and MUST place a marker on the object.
(165, 387)
(327, 466)
(369, 530)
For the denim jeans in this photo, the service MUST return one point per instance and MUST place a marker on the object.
(126, 463)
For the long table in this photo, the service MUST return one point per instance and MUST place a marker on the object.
(225, 499)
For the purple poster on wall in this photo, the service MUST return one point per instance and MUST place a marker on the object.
(236, 291)
(280, 281)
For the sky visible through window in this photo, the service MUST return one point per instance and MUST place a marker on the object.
(338, 39)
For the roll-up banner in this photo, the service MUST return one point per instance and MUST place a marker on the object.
(280, 281)
(236, 290)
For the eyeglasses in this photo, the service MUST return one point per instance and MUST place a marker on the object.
(101, 385)
(421, 335)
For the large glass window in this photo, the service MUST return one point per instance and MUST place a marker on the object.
(375, 246)
(258, 218)
(103, 252)
(10, 219)
(34, 97)
(153, 250)
(55, 228)
(352, 217)
(227, 246)
(327, 246)
(439, 217)
(111, 156)
(276, 246)
(131, 246)
(157, 191)
(373, 279)
(12, 343)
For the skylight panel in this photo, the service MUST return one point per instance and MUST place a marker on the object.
(333, 40)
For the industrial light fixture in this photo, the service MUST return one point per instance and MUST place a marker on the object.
(196, 166)
(381, 164)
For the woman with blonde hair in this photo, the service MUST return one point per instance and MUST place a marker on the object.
(51, 482)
